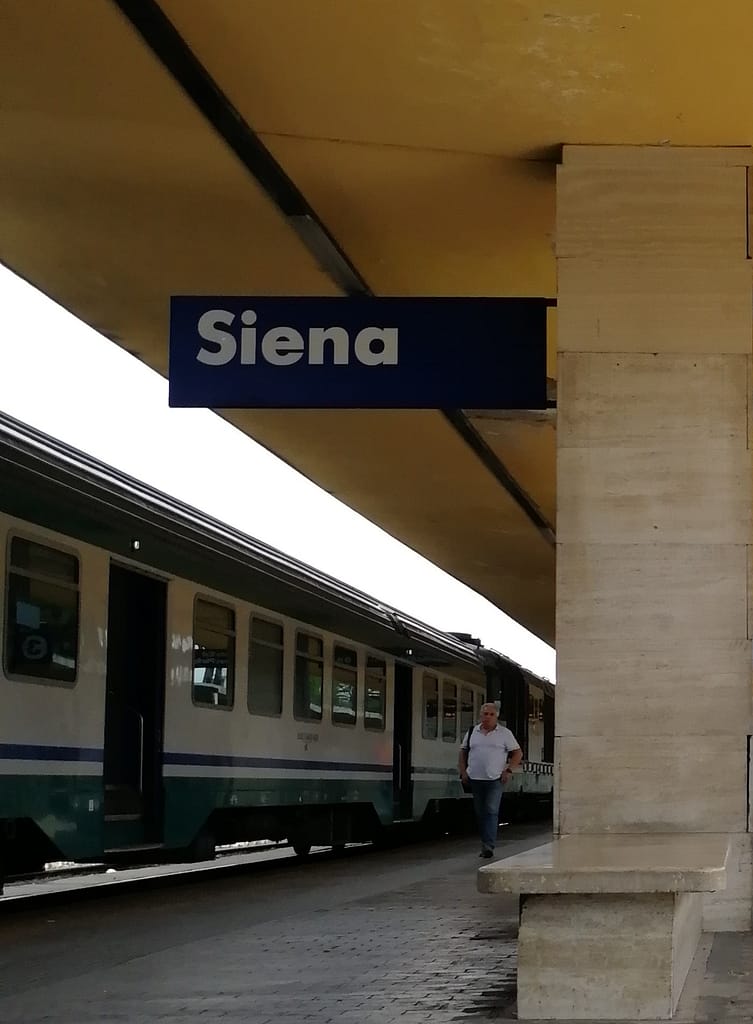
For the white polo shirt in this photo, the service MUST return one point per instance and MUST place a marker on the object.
(489, 751)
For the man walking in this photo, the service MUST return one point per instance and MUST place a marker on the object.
(483, 762)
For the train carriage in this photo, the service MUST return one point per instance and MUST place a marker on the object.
(169, 683)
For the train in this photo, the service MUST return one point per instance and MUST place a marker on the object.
(170, 684)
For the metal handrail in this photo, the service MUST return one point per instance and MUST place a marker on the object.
(140, 717)
(538, 767)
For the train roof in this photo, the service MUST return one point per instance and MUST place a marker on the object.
(57, 486)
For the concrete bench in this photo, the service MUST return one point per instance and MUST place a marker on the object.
(609, 924)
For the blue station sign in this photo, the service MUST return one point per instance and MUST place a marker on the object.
(344, 353)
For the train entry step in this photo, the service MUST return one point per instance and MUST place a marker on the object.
(609, 924)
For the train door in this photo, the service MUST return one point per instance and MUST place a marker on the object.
(134, 708)
(402, 781)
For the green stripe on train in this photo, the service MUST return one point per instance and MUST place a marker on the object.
(69, 808)
(190, 801)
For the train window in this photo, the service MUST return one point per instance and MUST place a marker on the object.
(466, 710)
(344, 686)
(431, 708)
(213, 654)
(535, 703)
(265, 653)
(478, 701)
(449, 711)
(41, 625)
(309, 676)
(376, 694)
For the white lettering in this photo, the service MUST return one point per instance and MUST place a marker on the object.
(384, 356)
(282, 346)
(224, 340)
(340, 345)
(248, 337)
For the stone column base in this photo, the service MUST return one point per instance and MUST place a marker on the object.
(590, 957)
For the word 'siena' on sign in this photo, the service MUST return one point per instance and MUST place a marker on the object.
(283, 346)
(357, 352)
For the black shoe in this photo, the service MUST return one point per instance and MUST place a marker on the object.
(486, 854)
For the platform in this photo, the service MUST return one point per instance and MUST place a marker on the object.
(392, 937)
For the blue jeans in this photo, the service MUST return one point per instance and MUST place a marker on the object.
(487, 796)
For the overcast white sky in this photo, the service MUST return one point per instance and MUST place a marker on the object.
(65, 379)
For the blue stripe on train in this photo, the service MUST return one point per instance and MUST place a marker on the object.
(36, 752)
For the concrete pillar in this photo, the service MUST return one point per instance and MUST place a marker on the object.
(654, 499)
